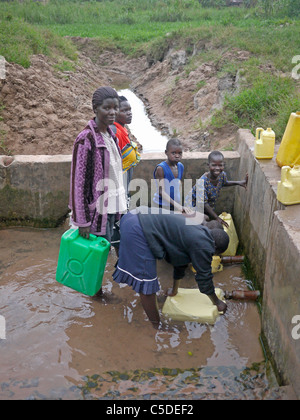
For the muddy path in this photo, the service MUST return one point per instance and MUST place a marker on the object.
(44, 109)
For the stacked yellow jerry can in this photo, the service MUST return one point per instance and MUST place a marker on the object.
(264, 143)
(288, 158)
(289, 149)
(288, 190)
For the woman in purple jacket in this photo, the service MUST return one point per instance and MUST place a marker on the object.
(97, 194)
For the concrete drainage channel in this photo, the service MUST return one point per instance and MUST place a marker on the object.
(34, 191)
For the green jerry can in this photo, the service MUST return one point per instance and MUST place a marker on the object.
(81, 262)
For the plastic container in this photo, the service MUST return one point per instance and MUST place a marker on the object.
(264, 143)
(215, 265)
(191, 305)
(81, 262)
(289, 149)
(288, 189)
(233, 238)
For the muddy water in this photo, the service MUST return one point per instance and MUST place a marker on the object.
(55, 336)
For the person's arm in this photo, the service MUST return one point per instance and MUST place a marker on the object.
(242, 183)
(201, 260)
(222, 307)
(212, 215)
(159, 174)
(80, 210)
(178, 275)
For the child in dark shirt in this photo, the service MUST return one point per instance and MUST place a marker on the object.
(208, 187)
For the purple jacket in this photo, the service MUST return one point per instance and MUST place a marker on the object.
(90, 165)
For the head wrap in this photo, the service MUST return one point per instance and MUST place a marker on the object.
(103, 93)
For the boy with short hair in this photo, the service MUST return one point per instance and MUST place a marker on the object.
(213, 181)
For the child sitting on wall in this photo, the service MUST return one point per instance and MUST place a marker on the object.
(207, 188)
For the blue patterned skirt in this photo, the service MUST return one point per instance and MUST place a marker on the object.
(136, 265)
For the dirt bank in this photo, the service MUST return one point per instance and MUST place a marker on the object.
(45, 109)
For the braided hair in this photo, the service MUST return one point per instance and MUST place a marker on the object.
(101, 94)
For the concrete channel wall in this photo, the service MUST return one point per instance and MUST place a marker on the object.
(34, 190)
(270, 233)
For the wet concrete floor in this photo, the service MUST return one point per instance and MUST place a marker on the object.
(62, 344)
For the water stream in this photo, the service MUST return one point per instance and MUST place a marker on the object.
(141, 127)
(62, 344)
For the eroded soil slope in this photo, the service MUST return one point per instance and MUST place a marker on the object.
(44, 110)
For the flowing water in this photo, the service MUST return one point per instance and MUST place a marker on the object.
(141, 127)
(62, 344)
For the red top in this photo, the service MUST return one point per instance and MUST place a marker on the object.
(122, 135)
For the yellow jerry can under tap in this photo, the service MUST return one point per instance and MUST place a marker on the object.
(288, 189)
(216, 265)
(289, 149)
(191, 305)
(233, 238)
(264, 143)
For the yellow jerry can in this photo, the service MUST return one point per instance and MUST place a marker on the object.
(264, 143)
(289, 149)
(288, 189)
(191, 305)
(233, 238)
(215, 265)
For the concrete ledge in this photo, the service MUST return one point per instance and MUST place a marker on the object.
(270, 233)
(34, 190)
(254, 209)
(282, 293)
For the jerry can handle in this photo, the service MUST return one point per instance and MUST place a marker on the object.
(284, 172)
(258, 132)
(91, 236)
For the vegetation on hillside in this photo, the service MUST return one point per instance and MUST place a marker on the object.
(268, 29)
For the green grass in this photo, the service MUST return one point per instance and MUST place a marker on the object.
(268, 102)
(151, 27)
(134, 25)
(19, 40)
